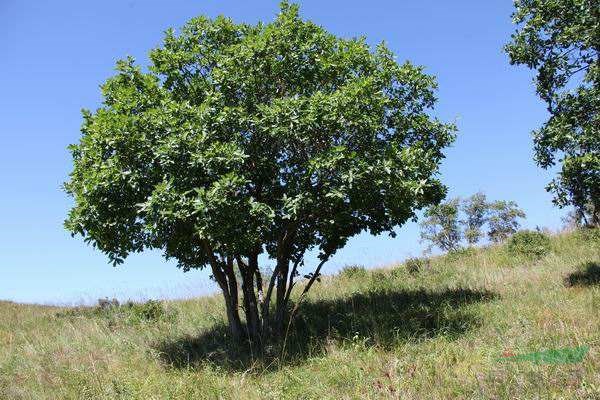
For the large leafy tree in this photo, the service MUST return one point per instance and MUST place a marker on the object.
(560, 39)
(241, 141)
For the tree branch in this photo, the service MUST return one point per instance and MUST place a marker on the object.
(267, 302)
(312, 280)
(291, 279)
(215, 267)
(314, 277)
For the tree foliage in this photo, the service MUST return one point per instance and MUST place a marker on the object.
(247, 140)
(476, 210)
(504, 220)
(560, 39)
(448, 223)
(441, 225)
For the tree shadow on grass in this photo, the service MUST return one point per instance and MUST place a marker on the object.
(587, 275)
(381, 319)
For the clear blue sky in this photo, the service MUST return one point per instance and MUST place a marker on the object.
(55, 54)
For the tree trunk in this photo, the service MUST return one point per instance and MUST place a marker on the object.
(251, 307)
(234, 324)
(280, 300)
(266, 306)
(233, 317)
(228, 285)
(596, 217)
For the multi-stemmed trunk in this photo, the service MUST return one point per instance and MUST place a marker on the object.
(261, 325)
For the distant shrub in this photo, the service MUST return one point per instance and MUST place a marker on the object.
(106, 304)
(533, 244)
(378, 280)
(589, 234)
(152, 310)
(461, 252)
(129, 312)
(380, 276)
(353, 271)
(416, 265)
(397, 272)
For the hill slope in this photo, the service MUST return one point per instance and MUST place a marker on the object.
(438, 333)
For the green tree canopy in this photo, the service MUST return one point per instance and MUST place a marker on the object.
(476, 209)
(447, 223)
(441, 225)
(242, 140)
(560, 39)
(503, 220)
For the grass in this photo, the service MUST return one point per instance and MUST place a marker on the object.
(388, 333)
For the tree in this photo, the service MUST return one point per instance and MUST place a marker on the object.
(446, 224)
(578, 217)
(245, 140)
(441, 225)
(476, 210)
(559, 39)
(503, 221)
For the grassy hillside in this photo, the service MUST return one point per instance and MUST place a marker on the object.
(437, 334)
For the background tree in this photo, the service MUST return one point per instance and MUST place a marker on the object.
(447, 223)
(245, 140)
(476, 210)
(441, 225)
(560, 39)
(503, 221)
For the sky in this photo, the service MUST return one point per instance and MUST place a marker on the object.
(55, 54)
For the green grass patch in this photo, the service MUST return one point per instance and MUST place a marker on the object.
(363, 334)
